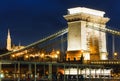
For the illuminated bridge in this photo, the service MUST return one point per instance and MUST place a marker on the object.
(52, 57)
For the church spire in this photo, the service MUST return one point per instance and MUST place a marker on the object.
(8, 41)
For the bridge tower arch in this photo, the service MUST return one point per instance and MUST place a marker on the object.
(82, 39)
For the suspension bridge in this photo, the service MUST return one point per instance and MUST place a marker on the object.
(35, 56)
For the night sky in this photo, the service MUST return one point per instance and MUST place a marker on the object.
(31, 20)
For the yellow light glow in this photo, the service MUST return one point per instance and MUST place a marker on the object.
(56, 56)
(58, 52)
(42, 55)
(13, 55)
(115, 54)
(1, 71)
(26, 56)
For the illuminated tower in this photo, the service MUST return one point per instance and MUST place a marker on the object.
(83, 40)
(8, 41)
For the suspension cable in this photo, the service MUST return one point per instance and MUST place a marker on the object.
(59, 33)
(55, 35)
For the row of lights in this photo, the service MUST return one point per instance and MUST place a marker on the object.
(105, 62)
(53, 54)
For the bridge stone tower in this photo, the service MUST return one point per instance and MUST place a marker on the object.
(83, 40)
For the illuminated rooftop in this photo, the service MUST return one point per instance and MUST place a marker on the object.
(78, 10)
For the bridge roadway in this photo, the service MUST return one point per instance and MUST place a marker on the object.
(93, 64)
(104, 64)
(53, 63)
(66, 63)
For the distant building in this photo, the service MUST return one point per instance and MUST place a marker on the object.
(9, 45)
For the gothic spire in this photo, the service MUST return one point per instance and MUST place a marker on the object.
(8, 41)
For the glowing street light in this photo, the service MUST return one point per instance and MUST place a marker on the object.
(13, 55)
(42, 55)
(115, 55)
(58, 52)
(56, 56)
(26, 56)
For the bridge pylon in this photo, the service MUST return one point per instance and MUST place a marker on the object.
(83, 40)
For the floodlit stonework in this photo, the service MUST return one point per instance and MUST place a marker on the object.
(83, 40)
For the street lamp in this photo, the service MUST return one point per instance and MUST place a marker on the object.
(58, 52)
(58, 55)
(13, 56)
(115, 55)
(42, 56)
